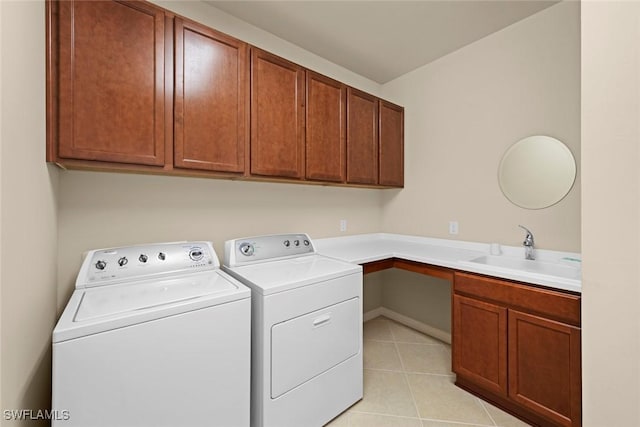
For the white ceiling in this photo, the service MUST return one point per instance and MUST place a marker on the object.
(382, 40)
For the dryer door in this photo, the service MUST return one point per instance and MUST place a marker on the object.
(308, 345)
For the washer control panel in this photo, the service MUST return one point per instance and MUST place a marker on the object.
(261, 248)
(112, 265)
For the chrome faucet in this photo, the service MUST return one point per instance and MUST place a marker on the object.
(528, 244)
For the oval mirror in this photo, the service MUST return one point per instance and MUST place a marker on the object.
(537, 172)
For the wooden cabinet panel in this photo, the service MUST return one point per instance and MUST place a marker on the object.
(362, 137)
(553, 304)
(325, 129)
(544, 367)
(211, 99)
(277, 116)
(109, 99)
(391, 146)
(480, 343)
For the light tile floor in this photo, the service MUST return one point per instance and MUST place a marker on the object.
(408, 383)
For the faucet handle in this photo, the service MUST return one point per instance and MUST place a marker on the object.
(525, 229)
(529, 236)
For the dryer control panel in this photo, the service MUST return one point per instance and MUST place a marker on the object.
(266, 248)
(112, 265)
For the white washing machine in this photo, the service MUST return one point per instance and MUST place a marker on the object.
(306, 329)
(153, 335)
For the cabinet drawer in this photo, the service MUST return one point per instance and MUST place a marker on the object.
(555, 305)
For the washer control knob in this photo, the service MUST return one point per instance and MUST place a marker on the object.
(143, 258)
(296, 242)
(246, 249)
(162, 256)
(286, 243)
(123, 261)
(196, 254)
(306, 242)
(100, 265)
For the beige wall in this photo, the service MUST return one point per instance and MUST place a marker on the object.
(419, 297)
(611, 213)
(103, 210)
(372, 291)
(28, 212)
(465, 109)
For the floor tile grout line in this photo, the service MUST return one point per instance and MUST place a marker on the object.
(406, 376)
(380, 414)
(487, 411)
(407, 342)
(461, 423)
(410, 372)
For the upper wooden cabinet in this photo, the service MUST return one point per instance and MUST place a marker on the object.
(108, 60)
(211, 99)
(277, 116)
(362, 137)
(391, 144)
(325, 129)
(133, 87)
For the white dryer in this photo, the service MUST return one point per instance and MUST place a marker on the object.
(153, 335)
(306, 329)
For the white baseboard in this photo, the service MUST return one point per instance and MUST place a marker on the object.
(372, 314)
(407, 321)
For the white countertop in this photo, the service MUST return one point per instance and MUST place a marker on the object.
(453, 254)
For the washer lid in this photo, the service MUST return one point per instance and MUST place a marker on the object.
(94, 310)
(107, 301)
(276, 276)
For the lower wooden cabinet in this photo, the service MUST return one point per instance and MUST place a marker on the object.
(480, 342)
(519, 347)
(544, 367)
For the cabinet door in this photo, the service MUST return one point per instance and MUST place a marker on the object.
(326, 129)
(480, 343)
(362, 137)
(544, 367)
(110, 93)
(391, 144)
(211, 99)
(277, 116)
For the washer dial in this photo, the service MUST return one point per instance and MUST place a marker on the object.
(246, 249)
(196, 254)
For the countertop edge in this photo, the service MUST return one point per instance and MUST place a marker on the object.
(346, 248)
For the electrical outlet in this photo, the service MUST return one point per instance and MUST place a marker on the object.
(453, 227)
(343, 225)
